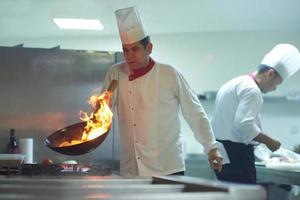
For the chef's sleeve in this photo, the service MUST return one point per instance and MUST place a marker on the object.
(250, 103)
(111, 74)
(195, 115)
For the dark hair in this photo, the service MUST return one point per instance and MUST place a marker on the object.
(145, 41)
(263, 68)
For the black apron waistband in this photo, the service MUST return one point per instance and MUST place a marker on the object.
(237, 144)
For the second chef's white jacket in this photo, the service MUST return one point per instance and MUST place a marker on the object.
(149, 123)
(237, 110)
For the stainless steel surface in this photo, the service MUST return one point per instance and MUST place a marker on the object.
(278, 176)
(86, 189)
(116, 187)
(278, 183)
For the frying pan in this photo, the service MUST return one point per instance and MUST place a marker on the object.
(73, 132)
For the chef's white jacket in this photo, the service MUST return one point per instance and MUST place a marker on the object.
(148, 108)
(237, 110)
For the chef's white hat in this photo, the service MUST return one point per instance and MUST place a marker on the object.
(131, 29)
(284, 58)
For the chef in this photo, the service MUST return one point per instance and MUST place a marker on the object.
(148, 99)
(236, 119)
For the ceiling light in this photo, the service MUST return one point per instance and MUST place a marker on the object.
(78, 24)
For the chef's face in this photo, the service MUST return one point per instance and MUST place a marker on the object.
(137, 55)
(270, 82)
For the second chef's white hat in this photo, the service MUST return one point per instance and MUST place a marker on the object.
(284, 58)
(131, 29)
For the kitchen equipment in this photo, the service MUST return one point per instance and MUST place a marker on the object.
(73, 132)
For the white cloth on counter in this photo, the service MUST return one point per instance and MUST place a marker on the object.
(280, 159)
(148, 109)
(237, 111)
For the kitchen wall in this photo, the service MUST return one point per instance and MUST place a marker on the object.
(207, 60)
(199, 56)
(43, 90)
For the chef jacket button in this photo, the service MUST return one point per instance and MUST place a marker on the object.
(138, 157)
(134, 124)
(130, 92)
(132, 108)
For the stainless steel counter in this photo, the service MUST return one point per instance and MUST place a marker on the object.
(116, 187)
(278, 182)
(278, 176)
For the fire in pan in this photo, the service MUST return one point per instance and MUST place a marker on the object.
(83, 137)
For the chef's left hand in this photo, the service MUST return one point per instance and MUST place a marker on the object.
(215, 159)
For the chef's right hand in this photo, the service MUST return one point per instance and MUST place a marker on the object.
(273, 145)
(215, 159)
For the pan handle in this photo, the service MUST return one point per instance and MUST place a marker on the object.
(112, 86)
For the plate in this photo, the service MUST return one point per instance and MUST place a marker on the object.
(11, 160)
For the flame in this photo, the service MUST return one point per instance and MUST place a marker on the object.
(98, 122)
